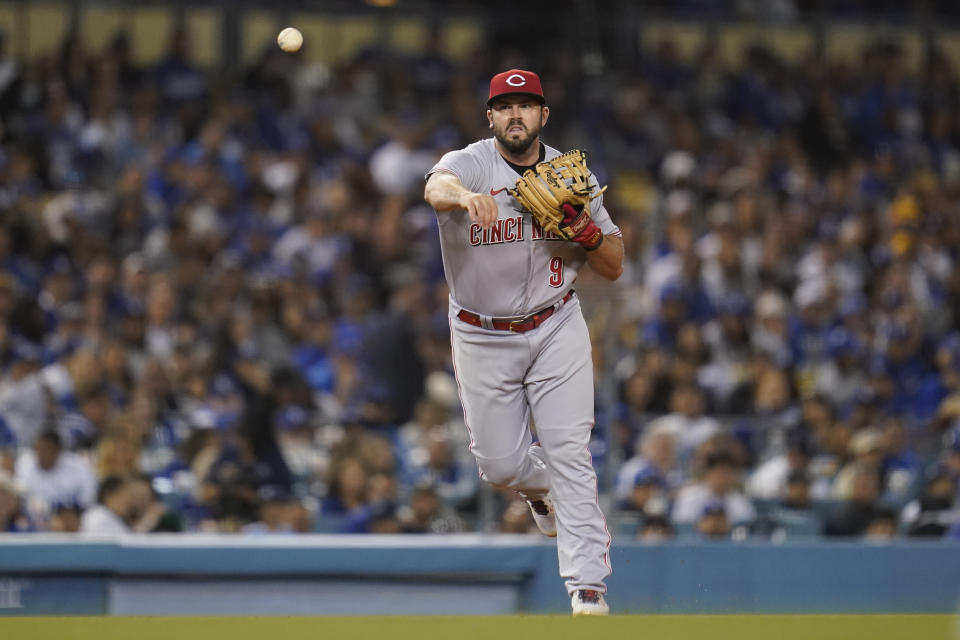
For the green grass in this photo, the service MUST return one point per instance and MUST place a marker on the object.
(658, 627)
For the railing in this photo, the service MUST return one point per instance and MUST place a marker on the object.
(209, 574)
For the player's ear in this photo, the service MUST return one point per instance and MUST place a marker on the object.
(544, 114)
(490, 117)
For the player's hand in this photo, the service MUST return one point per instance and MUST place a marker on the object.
(481, 207)
(579, 227)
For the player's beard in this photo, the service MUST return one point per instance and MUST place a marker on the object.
(518, 144)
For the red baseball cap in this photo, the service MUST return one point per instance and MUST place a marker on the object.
(516, 81)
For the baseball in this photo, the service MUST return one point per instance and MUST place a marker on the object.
(290, 39)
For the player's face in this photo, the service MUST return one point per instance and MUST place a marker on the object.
(516, 121)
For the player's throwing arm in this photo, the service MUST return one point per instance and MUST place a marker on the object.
(445, 193)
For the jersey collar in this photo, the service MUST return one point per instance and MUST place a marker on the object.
(520, 168)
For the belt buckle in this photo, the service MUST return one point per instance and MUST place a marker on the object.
(534, 319)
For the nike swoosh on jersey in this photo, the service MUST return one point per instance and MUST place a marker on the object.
(493, 193)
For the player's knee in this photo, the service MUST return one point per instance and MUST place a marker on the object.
(500, 473)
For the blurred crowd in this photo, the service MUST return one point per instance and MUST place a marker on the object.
(223, 306)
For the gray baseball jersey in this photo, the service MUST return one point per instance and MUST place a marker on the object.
(486, 271)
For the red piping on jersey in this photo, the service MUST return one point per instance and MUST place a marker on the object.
(456, 376)
(596, 499)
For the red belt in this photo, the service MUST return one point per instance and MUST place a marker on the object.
(517, 326)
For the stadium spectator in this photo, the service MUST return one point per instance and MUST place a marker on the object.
(346, 487)
(22, 400)
(228, 488)
(301, 447)
(274, 513)
(647, 489)
(12, 517)
(932, 514)
(687, 421)
(634, 410)
(8, 449)
(859, 509)
(655, 529)
(656, 459)
(769, 333)
(770, 480)
(50, 475)
(713, 523)
(117, 455)
(951, 453)
(432, 412)
(866, 449)
(110, 514)
(796, 496)
(382, 487)
(792, 515)
(378, 516)
(902, 467)
(426, 513)
(65, 518)
(434, 461)
(883, 526)
(718, 484)
(146, 513)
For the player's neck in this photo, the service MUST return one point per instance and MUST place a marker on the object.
(528, 158)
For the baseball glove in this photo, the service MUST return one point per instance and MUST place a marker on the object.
(557, 193)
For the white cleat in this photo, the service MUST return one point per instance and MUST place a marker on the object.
(544, 515)
(587, 602)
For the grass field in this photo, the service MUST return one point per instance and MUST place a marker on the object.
(660, 627)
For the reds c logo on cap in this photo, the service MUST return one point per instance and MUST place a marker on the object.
(516, 81)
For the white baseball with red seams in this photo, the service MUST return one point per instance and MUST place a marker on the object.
(506, 378)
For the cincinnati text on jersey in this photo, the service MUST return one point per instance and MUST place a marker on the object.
(508, 230)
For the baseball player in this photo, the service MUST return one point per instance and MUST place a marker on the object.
(521, 350)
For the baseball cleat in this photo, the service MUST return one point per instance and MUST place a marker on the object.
(544, 515)
(587, 602)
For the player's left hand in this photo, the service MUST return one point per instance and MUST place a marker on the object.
(557, 193)
(579, 226)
